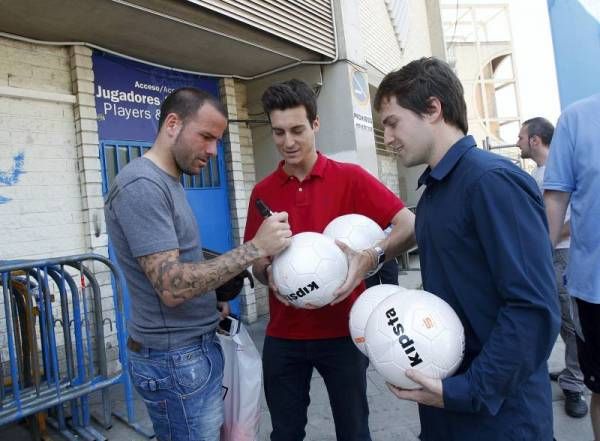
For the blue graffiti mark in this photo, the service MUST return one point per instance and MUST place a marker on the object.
(12, 176)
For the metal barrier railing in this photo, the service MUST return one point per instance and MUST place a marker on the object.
(56, 362)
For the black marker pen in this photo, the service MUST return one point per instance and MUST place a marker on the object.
(264, 211)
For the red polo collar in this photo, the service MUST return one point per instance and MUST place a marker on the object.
(317, 170)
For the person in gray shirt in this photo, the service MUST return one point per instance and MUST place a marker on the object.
(174, 357)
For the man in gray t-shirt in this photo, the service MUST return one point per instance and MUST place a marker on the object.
(174, 359)
(147, 212)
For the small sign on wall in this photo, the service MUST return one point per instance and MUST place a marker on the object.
(361, 101)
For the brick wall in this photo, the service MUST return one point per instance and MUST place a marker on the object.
(90, 184)
(260, 295)
(48, 133)
(240, 175)
(44, 214)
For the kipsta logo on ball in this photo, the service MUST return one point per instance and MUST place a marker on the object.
(362, 308)
(414, 330)
(310, 270)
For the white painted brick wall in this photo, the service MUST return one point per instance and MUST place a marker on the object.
(242, 177)
(49, 213)
(30, 66)
(43, 217)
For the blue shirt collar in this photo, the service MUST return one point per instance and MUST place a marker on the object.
(447, 163)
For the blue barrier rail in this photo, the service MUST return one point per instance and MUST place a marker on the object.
(58, 376)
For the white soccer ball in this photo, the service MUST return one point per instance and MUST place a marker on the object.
(310, 270)
(362, 308)
(414, 329)
(355, 230)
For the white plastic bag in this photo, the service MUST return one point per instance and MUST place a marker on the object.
(242, 383)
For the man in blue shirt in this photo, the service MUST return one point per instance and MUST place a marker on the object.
(573, 174)
(484, 248)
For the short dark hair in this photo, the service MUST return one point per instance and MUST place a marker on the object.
(185, 102)
(541, 127)
(290, 94)
(416, 83)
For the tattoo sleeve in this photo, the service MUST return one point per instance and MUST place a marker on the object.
(175, 281)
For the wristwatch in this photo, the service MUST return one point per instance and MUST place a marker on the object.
(380, 255)
(380, 259)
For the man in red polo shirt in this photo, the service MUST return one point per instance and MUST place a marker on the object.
(314, 190)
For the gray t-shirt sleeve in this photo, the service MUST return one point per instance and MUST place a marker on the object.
(145, 212)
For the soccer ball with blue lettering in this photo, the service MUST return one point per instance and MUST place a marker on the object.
(357, 231)
(414, 329)
(362, 309)
(310, 270)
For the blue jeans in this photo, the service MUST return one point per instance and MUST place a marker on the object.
(287, 368)
(182, 389)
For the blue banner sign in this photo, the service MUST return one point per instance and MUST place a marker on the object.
(129, 94)
(575, 28)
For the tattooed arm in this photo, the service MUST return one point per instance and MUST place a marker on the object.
(175, 281)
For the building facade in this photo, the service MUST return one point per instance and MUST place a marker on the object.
(81, 82)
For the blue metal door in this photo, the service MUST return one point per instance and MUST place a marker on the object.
(207, 195)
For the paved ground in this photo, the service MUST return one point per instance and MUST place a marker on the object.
(390, 419)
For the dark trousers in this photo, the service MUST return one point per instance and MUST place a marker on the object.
(387, 274)
(287, 368)
(588, 344)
